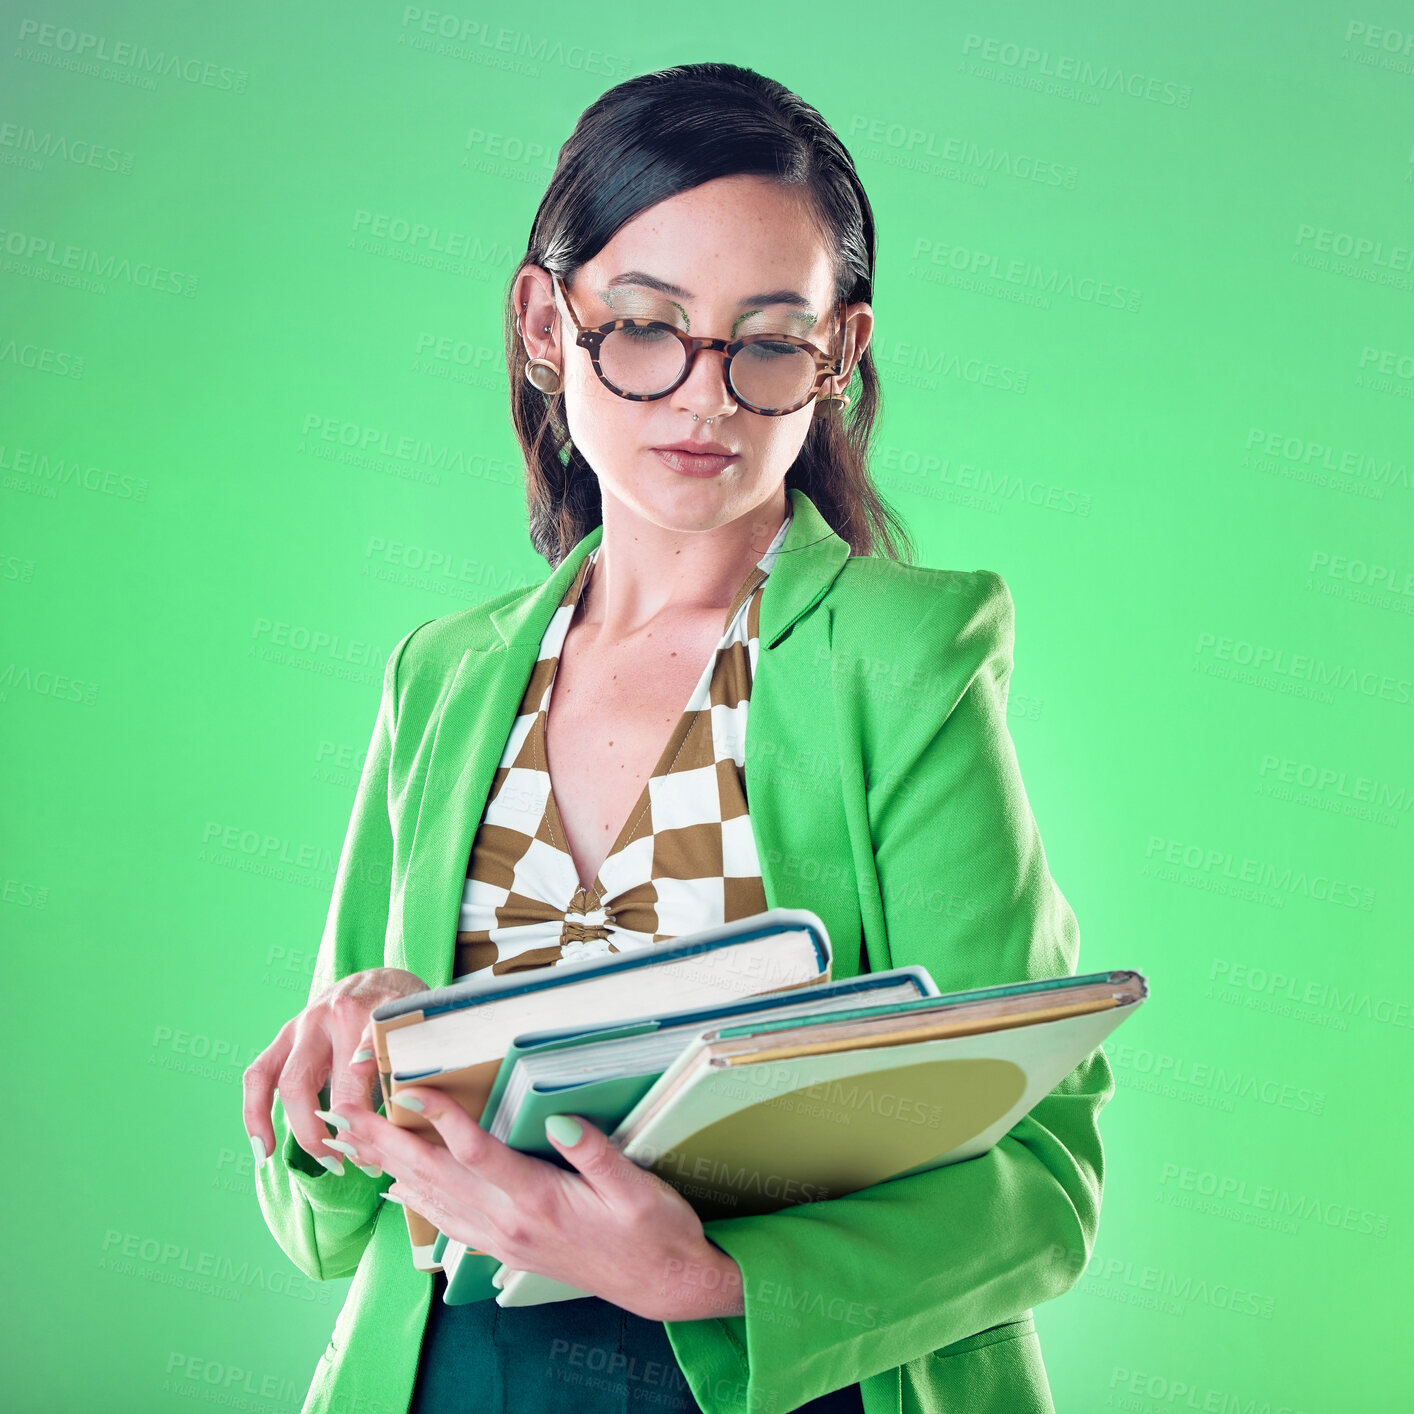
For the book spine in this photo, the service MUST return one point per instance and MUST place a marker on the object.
(422, 1232)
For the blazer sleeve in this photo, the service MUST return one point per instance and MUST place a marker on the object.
(322, 1220)
(841, 1289)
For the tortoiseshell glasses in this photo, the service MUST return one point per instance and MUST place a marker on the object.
(644, 359)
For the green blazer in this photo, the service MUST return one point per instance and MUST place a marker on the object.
(884, 795)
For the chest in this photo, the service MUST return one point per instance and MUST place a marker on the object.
(612, 712)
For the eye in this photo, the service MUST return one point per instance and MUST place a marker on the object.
(770, 349)
(646, 334)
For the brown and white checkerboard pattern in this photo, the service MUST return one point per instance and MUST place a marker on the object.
(685, 858)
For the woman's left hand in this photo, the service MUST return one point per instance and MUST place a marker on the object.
(609, 1227)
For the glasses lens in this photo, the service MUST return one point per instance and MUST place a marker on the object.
(772, 375)
(648, 361)
(643, 361)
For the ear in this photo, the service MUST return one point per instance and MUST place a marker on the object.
(859, 329)
(533, 297)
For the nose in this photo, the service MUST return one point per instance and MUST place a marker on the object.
(704, 390)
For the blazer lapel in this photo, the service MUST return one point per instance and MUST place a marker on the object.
(791, 720)
(469, 726)
(802, 755)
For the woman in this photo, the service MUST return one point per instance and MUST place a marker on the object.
(713, 539)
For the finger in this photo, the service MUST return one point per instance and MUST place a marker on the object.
(361, 1134)
(258, 1093)
(360, 1146)
(364, 1158)
(367, 1157)
(466, 1149)
(594, 1156)
(470, 1145)
(364, 1064)
(305, 1070)
(352, 1086)
(449, 1218)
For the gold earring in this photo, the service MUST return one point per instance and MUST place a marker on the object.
(831, 404)
(542, 375)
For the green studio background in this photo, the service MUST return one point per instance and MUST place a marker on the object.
(1144, 304)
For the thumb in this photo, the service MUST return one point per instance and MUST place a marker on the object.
(592, 1152)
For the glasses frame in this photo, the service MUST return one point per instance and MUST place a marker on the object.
(591, 340)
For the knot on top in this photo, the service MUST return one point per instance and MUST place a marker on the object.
(579, 944)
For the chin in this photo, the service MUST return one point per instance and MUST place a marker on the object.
(691, 504)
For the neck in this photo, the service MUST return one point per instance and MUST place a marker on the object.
(644, 573)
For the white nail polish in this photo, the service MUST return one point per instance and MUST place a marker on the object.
(258, 1144)
(332, 1164)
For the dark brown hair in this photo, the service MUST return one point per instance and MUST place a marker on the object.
(648, 139)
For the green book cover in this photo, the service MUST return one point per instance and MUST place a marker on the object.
(605, 1102)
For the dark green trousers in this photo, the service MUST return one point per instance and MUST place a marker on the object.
(585, 1356)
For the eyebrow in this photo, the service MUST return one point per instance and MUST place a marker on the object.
(651, 282)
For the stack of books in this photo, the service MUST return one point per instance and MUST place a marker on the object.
(729, 1063)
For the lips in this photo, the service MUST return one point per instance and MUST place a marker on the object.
(694, 463)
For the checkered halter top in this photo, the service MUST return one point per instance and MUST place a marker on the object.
(685, 858)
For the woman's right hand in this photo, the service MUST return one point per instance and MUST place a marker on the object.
(313, 1047)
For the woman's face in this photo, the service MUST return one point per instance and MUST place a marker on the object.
(700, 261)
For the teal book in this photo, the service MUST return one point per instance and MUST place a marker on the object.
(603, 1072)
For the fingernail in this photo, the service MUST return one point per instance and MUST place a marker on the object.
(362, 1054)
(343, 1147)
(564, 1130)
(258, 1144)
(337, 1120)
(408, 1102)
(371, 1172)
(390, 1196)
(332, 1164)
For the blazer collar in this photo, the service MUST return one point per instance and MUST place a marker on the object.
(809, 559)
